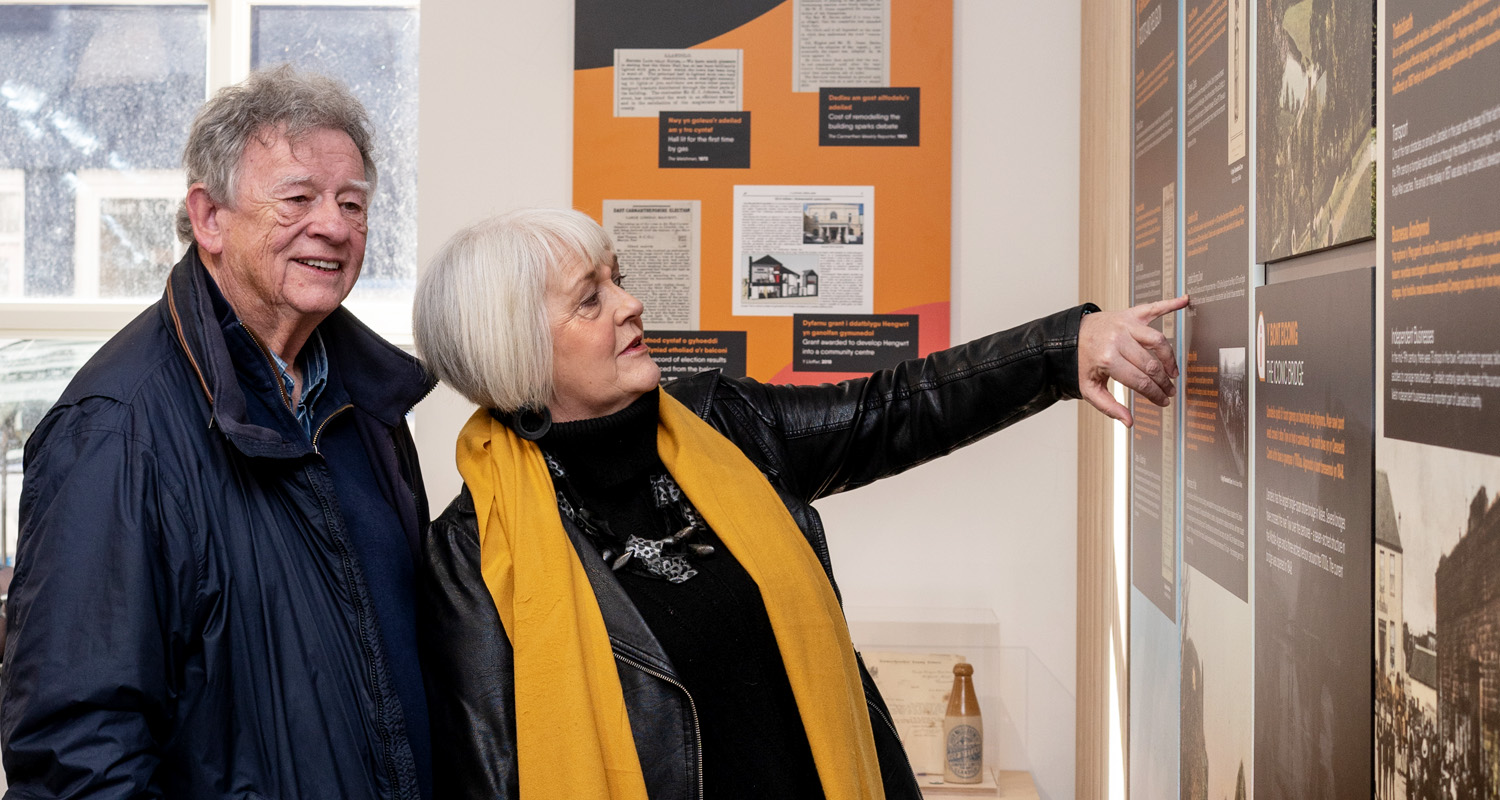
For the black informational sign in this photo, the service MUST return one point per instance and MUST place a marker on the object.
(1153, 494)
(1155, 637)
(870, 117)
(852, 342)
(683, 353)
(1217, 622)
(1442, 259)
(703, 140)
(1216, 273)
(1314, 542)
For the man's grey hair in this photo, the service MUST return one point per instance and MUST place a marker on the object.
(480, 313)
(277, 101)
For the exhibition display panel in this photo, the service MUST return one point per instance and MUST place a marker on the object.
(1325, 626)
(1155, 649)
(738, 155)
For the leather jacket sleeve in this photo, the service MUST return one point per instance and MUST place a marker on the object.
(845, 435)
(468, 664)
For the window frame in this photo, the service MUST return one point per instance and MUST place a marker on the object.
(228, 61)
(93, 187)
(13, 181)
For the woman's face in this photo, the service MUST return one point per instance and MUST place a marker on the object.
(599, 362)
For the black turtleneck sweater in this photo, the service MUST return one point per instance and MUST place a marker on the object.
(712, 626)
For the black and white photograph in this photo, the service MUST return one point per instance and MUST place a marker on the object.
(1217, 714)
(1315, 134)
(833, 223)
(1234, 404)
(1437, 623)
(1238, 101)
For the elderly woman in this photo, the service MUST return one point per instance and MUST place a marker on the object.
(631, 597)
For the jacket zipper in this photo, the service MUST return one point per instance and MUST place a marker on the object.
(892, 726)
(692, 707)
(410, 489)
(275, 373)
(364, 640)
(319, 432)
(348, 562)
(424, 396)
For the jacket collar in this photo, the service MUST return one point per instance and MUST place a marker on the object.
(381, 379)
(629, 634)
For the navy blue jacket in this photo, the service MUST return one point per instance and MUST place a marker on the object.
(189, 618)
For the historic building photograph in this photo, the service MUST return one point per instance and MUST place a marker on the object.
(833, 223)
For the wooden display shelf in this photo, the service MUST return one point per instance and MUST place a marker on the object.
(1001, 783)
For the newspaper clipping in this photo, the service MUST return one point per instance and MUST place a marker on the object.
(658, 245)
(840, 43)
(648, 82)
(803, 249)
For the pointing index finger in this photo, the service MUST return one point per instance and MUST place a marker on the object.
(1151, 311)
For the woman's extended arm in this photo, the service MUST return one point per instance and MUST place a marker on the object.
(842, 436)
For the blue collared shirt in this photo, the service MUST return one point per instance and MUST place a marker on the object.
(314, 378)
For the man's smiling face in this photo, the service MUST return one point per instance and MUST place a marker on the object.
(294, 234)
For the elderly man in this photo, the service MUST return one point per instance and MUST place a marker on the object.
(213, 596)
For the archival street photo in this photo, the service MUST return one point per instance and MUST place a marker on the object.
(1437, 623)
(1315, 134)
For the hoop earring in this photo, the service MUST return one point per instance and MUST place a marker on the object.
(531, 424)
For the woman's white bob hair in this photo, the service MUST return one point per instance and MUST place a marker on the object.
(480, 315)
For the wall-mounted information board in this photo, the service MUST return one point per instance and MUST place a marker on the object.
(1340, 435)
(777, 176)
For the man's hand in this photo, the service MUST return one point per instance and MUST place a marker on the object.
(1122, 345)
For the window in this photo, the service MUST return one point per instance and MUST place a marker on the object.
(106, 91)
(33, 373)
(95, 104)
(374, 51)
(124, 243)
(12, 230)
(1380, 582)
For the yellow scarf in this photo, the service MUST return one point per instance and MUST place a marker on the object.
(573, 734)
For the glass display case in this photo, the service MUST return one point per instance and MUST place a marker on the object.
(1010, 681)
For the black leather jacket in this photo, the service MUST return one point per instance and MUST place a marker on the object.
(810, 442)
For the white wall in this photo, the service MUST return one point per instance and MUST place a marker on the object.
(495, 132)
(990, 527)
